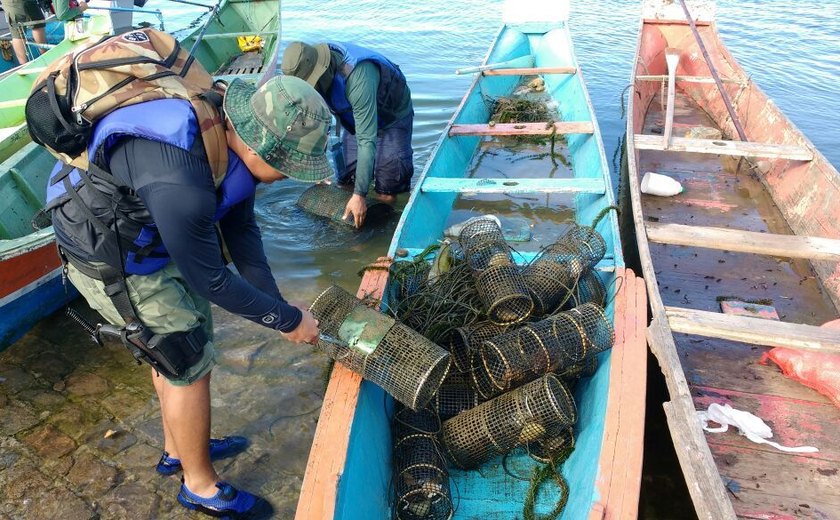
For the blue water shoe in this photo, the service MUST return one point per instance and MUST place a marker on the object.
(228, 502)
(219, 449)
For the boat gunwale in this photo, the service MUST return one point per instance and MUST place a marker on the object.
(703, 478)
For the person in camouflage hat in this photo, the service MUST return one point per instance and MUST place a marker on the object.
(371, 99)
(162, 240)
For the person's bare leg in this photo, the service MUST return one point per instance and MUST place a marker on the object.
(19, 45)
(186, 412)
(168, 443)
(40, 36)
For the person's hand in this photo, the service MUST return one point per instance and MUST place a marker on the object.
(82, 6)
(357, 206)
(307, 330)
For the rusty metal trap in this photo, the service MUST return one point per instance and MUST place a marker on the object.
(552, 446)
(500, 284)
(421, 479)
(465, 340)
(552, 276)
(514, 419)
(553, 344)
(401, 361)
(589, 289)
(329, 201)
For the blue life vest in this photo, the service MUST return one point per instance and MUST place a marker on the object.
(389, 95)
(82, 202)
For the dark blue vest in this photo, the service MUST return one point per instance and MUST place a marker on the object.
(389, 95)
(170, 121)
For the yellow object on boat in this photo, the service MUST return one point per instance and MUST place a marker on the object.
(250, 43)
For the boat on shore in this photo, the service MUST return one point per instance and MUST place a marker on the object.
(477, 168)
(744, 258)
(30, 271)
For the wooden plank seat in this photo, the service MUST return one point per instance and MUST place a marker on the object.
(547, 128)
(247, 63)
(506, 185)
(222, 36)
(685, 79)
(723, 147)
(755, 331)
(788, 246)
(529, 71)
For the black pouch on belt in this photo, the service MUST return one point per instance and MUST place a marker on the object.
(170, 354)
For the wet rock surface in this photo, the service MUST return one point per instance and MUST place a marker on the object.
(60, 394)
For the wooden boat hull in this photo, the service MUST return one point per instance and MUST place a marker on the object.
(30, 283)
(758, 221)
(349, 470)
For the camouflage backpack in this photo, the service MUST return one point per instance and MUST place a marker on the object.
(80, 88)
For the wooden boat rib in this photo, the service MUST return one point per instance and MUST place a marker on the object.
(759, 220)
(30, 281)
(349, 470)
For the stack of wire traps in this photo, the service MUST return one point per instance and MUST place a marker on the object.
(551, 278)
(556, 343)
(404, 363)
(498, 279)
(421, 478)
(538, 410)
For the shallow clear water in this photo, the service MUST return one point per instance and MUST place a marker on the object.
(790, 49)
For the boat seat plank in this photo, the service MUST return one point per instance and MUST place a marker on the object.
(684, 79)
(547, 128)
(530, 71)
(29, 71)
(724, 147)
(508, 185)
(221, 36)
(607, 264)
(789, 246)
(246, 63)
(13, 103)
(753, 330)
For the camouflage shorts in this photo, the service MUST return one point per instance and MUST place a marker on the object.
(164, 303)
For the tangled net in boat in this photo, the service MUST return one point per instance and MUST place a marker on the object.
(421, 478)
(519, 110)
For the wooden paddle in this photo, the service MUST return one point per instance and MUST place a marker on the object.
(523, 62)
(672, 59)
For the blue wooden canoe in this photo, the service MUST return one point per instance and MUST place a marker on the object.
(349, 469)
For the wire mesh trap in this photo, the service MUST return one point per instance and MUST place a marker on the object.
(465, 340)
(513, 419)
(501, 287)
(401, 361)
(455, 395)
(329, 201)
(553, 344)
(552, 276)
(589, 289)
(421, 478)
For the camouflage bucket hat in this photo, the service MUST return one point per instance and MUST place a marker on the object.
(286, 122)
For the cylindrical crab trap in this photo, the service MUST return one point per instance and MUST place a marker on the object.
(551, 276)
(589, 289)
(500, 284)
(552, 445)
(513, 419)
(404, 363)
(455, 395)
(329, 201)
(465, 340)
(554, 344)
(421, 479)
